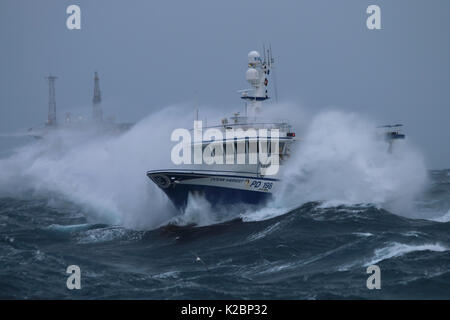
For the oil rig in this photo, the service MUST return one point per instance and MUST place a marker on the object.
(79, 122)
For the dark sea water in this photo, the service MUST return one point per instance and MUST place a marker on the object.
(311, 252)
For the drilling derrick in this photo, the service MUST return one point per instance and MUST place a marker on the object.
(51, 122)
(96, 101)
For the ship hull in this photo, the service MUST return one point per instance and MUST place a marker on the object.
(218, 188)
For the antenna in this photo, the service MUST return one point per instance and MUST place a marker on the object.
(196, 104)
(272, 61)
(271, 57)
(264, 53)
(275, 88)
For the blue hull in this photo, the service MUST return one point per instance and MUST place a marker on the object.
(217, 196)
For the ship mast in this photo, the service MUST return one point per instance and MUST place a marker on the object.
(257, 75)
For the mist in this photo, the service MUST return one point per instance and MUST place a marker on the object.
(153, 54)
(344, 159)
(104, 174)
(338, 158)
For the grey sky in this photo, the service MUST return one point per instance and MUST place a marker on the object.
(151, 54)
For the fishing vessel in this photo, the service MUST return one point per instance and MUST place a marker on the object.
(247, 181)
(232, 181)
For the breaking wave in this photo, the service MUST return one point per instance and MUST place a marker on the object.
(342, 159)
(338, 159)
(399, 249)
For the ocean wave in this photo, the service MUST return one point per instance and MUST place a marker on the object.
(341, 160)
(265, 232)
(71, 228)
(396, 249)
(262, 214)
(412, 234)
(444, 218)
(167, 275)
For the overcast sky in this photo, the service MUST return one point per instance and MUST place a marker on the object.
(151, 54)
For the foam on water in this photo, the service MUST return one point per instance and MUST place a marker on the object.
(70, 228)
(108, 234)
(341, 159)
(198, 212)
(396, 249)
(265, 232)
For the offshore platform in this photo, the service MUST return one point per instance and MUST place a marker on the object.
(77, 123)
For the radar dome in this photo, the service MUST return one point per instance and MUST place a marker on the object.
(254, 57)
(252, 76)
